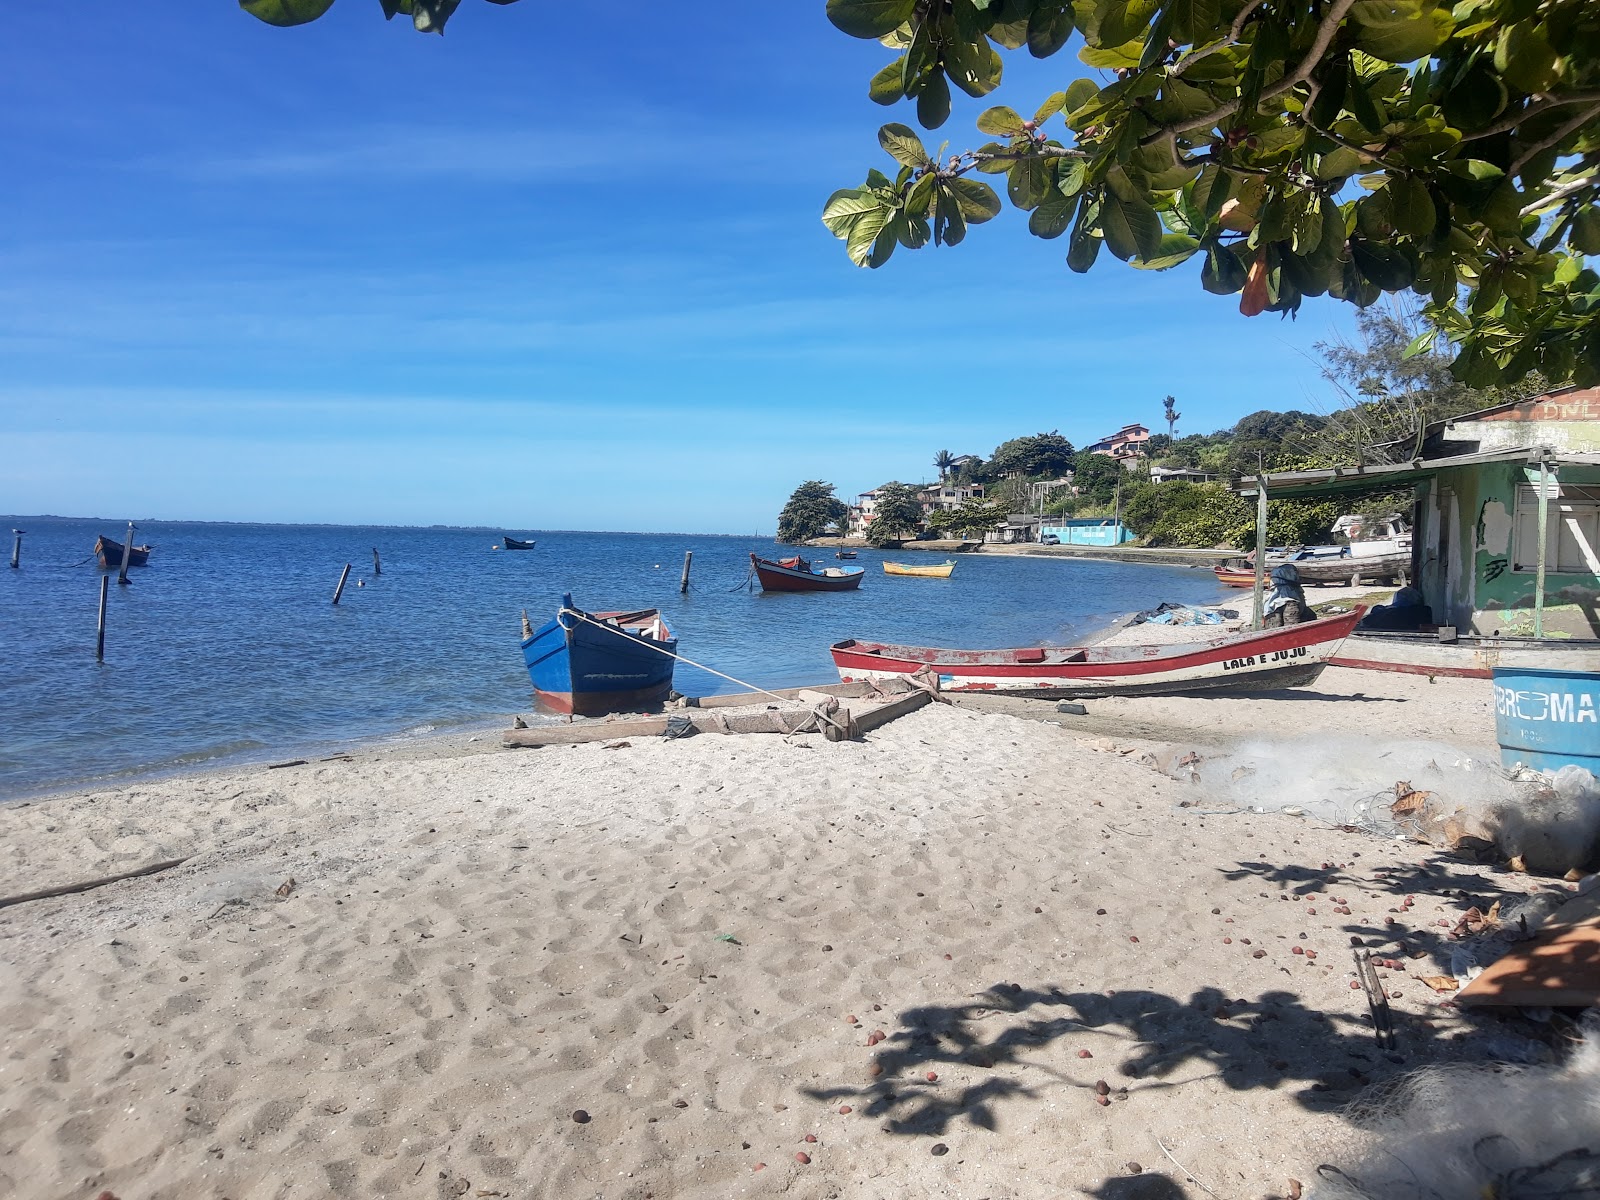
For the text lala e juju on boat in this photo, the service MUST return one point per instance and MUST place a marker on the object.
(588, 663)
(1292, 656)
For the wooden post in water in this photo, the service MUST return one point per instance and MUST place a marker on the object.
(377, 567)
(343, 575)
(683, 584)
(1261, 550)
(127, 553)
(100, 629)
(16, 549)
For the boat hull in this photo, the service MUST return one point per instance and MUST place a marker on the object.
(1468, 657)
(1272, 658)
(587, 670)
(512, 543)
(109, 554)
(775, 577)
(941, 571)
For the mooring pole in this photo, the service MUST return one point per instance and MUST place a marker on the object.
(127, 553)
(100, 629)
(1539, 570)
(343, 575)
(1261, 550)
(683, 584)
(377, 567)
(16, 549)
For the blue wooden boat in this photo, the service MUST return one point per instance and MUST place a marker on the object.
(512, 543)
(588, 663)
(109, 553)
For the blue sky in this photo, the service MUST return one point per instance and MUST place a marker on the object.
(540, 272)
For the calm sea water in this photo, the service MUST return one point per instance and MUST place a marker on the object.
(227, 646)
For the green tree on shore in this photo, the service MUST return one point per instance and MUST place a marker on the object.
(896, 514)
(811, 511)
(942, 463)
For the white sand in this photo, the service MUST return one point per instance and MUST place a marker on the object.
(476, 947)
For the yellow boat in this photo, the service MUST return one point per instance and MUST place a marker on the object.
(942, 571)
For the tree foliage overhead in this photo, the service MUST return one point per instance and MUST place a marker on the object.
(811, 512)
(1297, 147)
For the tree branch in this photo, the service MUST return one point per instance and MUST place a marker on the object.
(1542, 104)
(1234, 34)
(1326, 32)
(1572, 126)
(1349, 145)
(1561, 193)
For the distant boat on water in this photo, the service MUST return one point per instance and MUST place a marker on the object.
(937, 571)
(589, 664)
(110, 553)
(516, 543)
(795, 575)
(844, 554)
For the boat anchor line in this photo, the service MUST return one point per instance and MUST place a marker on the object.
(817, 712)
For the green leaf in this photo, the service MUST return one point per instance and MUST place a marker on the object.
(921, 193)
(286, 12)
(1210, 191)
(847, 206)
(1079, 93)
(1001, 121)
(1421, 344)
(1195, 19)
(974, 67)
(903, 145)
(888, 86)
(1411, 206)
(1400, 31)
(1030, 180)
(864, 234)
(1120, 21)
(1070, 175)
(994, 166)
(870, 18)
(1384, 266)
(1054, 214)
(1050, 24)
(1584, 233)
(883, 245)
(1130, 226)
(1052, 105)
(977, 199)
(1125, 56)
(1525, 57)
(949, 225)
(1306, 224)
(1477, 97)
(1223, 273)
(1173, 249)
(1360, 102)
(1339, 163)
(1084, 246)
(933, 102)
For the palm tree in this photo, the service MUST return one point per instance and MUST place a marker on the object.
(1172, 417)
(942, 461)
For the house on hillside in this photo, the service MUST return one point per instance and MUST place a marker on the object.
(1126, 445)
(1181, 475)
(1483, 485)
(941, 497)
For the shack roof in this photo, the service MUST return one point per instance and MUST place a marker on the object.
(1345, 481)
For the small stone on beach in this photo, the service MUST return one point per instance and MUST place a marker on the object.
(581, 1117)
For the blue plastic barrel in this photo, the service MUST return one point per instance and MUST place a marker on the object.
(1547, 719)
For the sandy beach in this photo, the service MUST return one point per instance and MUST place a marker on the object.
(976, 955)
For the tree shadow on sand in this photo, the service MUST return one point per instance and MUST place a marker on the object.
(1166, 1042)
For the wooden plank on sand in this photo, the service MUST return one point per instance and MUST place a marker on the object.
(1559, 968)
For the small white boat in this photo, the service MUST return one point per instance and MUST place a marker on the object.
(1470, 656)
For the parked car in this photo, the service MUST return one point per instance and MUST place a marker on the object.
(1049, 539)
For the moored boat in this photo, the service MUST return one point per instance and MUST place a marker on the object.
(512, 543)
(1470, 656)
(1235, 577)
(844, 553)
(796, 575)
(588, 663)
(1324, 565)
(110, 553)
(1291, 656)
(937, 571)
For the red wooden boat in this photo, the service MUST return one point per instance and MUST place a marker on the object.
(795, 575)
(1237, 577)
(1267, 658)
